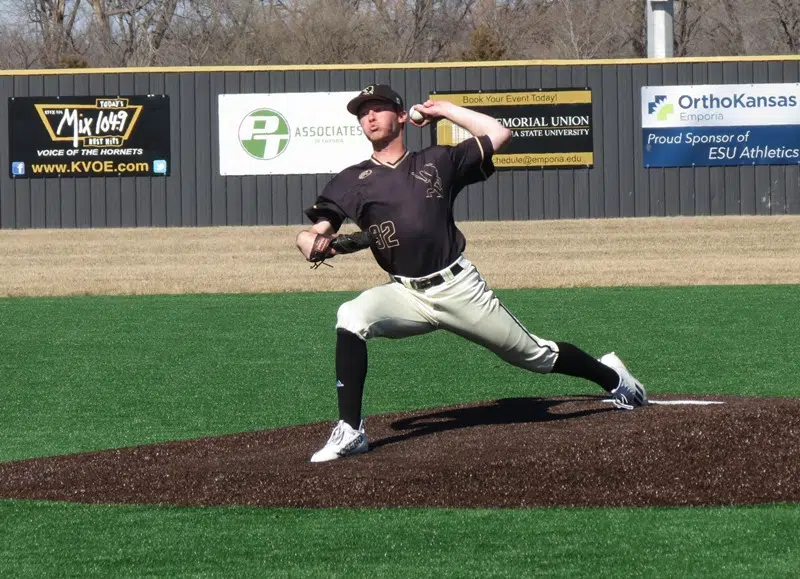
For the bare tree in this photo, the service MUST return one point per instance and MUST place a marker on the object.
(129, 32)
(633, 26)
(485, 43)
(261, 36)
(421, 30)
(587, 28)
(687, 21)
(787, 15)
(320, 31)
(514, 29)
(731, 28)
(18, 49)
(142, 30)
(55, 21)
(59, 33)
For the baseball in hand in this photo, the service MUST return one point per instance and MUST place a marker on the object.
(415, 115)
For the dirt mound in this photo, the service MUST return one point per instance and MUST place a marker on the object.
(519, 452)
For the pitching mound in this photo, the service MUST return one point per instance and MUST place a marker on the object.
(520, 452)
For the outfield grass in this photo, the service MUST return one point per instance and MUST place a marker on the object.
(42, 539)
(89, 373)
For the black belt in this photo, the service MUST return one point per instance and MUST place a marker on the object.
(429, 282)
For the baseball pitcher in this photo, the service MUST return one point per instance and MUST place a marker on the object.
(403, 203)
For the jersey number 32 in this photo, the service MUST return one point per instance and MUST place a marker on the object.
(384, 233)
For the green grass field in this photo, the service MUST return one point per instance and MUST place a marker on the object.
(88, 373)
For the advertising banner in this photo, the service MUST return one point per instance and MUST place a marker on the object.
(289, 134)
(551, 128)
(731, 124)
(89, 136)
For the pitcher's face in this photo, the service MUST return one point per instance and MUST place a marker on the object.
(380, 120)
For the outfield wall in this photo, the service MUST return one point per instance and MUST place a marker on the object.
(195, 194)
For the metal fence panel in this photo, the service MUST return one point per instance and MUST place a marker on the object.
(195, 194)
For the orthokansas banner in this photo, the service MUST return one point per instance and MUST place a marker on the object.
(289, 134)
(731, 124)
(552, 128)
(89, 136)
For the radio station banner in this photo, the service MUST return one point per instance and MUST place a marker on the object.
(729, 124)
(97, 136)
(289, 134)
(551, 128)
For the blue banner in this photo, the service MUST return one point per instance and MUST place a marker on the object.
(711, 146)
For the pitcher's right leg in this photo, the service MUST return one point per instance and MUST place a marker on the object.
(384, 311)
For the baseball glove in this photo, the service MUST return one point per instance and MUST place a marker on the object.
(325, 245)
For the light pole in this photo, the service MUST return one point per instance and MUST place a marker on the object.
(659, 28)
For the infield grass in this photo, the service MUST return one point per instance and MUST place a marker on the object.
(89, 373)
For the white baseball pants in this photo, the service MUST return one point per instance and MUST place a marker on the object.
(463, 304)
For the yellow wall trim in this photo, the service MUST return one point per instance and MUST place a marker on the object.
(400, 65)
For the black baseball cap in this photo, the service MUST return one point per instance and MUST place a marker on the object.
(375, 92)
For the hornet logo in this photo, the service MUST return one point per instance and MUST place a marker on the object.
(429, 175)
(660, 107)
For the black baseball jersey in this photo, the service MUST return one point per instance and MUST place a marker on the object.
(408, 205)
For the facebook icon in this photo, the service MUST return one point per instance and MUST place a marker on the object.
(18, 168)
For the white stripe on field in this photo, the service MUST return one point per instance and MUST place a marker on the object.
(679, 402)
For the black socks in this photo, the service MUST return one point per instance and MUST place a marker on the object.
(351, 371)
(573, 361)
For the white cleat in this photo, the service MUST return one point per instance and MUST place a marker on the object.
(344, 441)
(630, 393)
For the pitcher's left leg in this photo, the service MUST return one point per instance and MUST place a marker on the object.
(467, 307)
